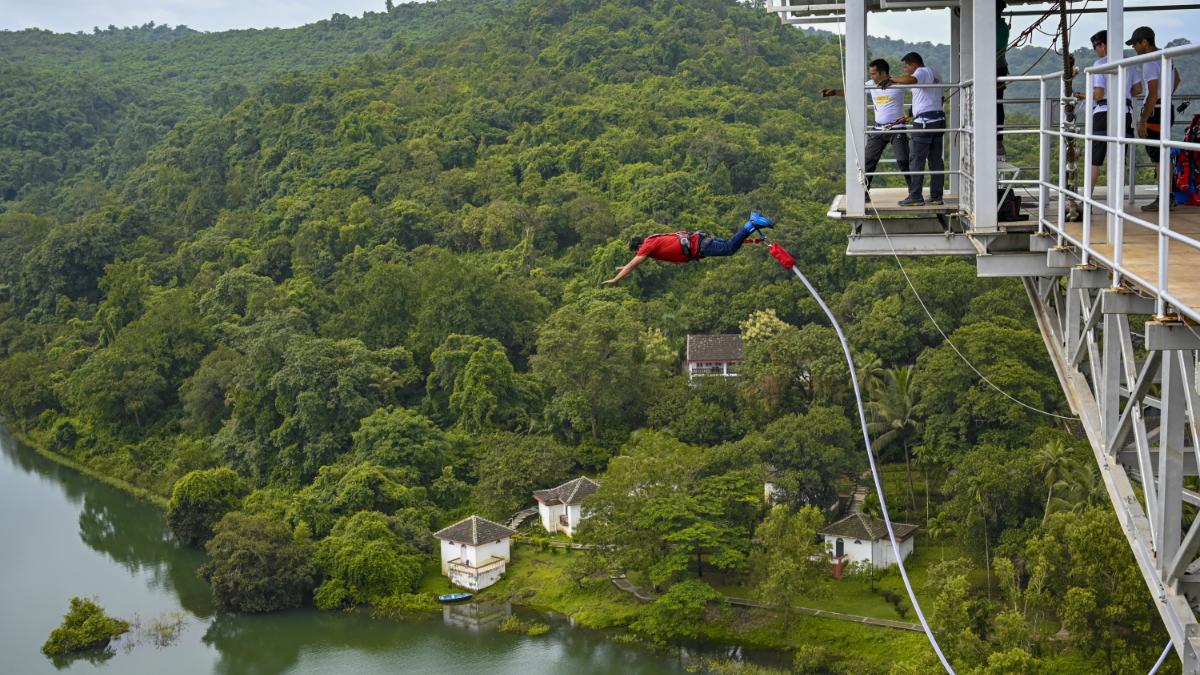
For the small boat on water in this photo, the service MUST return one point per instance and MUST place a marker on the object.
(455, 597)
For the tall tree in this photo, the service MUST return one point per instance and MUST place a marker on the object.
(592, 355)
(893, 418)
(199, 499)
(256, 565)
(1054, 464)
(788, 558)
(809, 453)
(669, 509)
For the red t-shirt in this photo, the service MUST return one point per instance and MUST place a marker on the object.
(666, 247)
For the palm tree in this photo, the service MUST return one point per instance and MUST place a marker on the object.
(892, 419)
(870, 372)
(977, 495)
(1085, 489)
(938, 528)
(1054, 463)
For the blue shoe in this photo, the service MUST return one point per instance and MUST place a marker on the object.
(757, 220)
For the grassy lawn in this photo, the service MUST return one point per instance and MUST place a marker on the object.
(434, 583)
(867, 649)
(854, 596)
(535, 578)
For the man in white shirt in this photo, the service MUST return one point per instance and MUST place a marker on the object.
(1153, 121)
(1133, 80)
(889, 115)
(928, 124)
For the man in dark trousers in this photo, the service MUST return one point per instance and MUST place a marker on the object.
(889, 115)
(928, 127)
(681, 247)
(1003, 31)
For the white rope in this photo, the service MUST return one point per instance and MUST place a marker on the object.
(862, 418)
(863, 184)
(1161, 659)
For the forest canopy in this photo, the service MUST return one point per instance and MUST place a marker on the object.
(332, 288)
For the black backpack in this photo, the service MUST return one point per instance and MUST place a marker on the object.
(1010, 207)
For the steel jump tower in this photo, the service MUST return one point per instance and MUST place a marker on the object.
(1093, 262)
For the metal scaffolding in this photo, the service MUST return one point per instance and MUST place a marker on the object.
(1088, 282)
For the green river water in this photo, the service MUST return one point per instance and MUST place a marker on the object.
(63, 534)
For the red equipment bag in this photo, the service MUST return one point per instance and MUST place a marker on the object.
(784, 258)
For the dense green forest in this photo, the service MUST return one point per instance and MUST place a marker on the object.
(330, 289)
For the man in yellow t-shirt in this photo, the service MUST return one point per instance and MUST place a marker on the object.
(889, 115)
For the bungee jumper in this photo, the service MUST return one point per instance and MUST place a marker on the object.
(681, 247)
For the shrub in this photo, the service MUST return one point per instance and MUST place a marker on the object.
(256, 565)
(199, 499)
(85, 627)
(401, 605)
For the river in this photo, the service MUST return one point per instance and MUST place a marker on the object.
(63, 534)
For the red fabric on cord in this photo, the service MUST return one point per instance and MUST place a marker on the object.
(782, 256)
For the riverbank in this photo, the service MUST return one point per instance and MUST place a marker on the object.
(542, 580)
(72, 535)
(38, 445)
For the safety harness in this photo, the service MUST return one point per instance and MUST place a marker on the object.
(685, 243)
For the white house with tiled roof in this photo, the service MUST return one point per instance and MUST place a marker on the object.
(561, 508)
(475, 552)
(719, 355)
(862, 538)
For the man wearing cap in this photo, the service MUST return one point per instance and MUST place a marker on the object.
(1152, 121)
(1133, 80)
(889, 116)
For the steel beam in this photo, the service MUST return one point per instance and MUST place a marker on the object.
(1121, 301)
(1142, 530)
(1165, 336)
(910, 245)
(1016, 265)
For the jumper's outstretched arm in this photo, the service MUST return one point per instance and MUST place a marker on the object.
(624, 271)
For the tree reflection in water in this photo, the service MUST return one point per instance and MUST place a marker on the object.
(135, 536)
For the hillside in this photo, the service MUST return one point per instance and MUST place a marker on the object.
(84, 108)
(355, 304)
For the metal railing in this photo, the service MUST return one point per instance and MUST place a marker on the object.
(1117, 215)
(952, 134)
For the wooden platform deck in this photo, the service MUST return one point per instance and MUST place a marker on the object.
(887, 202)
(1139, 250)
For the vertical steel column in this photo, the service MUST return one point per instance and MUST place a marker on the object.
(983, 59)
(1043, 156)
(1170, 460)
(856, 103)
(955, 142)
(1088, 183)
(966, 71)
(1166, 82)
(1116, 232)
(1110, 391)
(1116, 112)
